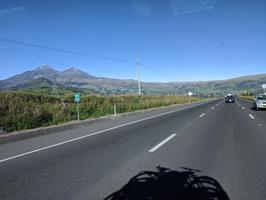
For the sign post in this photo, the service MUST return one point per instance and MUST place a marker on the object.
(77, 100)
(114, 110)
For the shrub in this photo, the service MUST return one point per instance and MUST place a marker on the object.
(20, 110)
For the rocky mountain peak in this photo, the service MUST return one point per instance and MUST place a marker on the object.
(45, 67)
(74, 72)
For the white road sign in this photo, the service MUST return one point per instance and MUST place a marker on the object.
(264, 87)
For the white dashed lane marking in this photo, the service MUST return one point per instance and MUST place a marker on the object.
(202, 114)
(251, 116)
(161, 143)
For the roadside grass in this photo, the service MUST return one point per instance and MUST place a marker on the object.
(247, 97)
(25, 110)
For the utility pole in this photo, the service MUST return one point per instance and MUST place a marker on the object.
(138, 69)
(198, 94)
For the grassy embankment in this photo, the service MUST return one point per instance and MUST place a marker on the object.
(247, 97)
(20, 111)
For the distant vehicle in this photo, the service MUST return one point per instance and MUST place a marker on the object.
(230, 99)
(259, 102)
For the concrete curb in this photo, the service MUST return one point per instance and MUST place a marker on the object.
(26, 134)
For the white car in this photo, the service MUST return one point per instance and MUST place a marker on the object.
(259, 102)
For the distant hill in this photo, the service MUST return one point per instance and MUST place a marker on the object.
(39, 82)
(46, 76)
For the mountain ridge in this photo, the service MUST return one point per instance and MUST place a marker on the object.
(74, 78)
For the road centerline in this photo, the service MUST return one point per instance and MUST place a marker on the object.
(162, 143)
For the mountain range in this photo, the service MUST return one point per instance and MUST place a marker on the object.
(47, 77)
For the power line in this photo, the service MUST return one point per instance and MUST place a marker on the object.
(64, 51)
(24, 52)
(5, 40)
(158, 72)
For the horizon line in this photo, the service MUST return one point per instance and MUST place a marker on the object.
(144, 81)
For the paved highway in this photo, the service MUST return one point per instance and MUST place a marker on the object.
(227, 142)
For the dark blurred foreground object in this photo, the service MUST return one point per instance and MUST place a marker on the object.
(169, 185)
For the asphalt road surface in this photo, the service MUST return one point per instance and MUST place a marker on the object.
(227, 142)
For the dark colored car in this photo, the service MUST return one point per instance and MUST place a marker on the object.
(230, 99)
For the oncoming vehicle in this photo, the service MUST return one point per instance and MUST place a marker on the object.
(230, 99)
(259, 102)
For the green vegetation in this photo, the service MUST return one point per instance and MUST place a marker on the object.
(26, 110)
(248, 97)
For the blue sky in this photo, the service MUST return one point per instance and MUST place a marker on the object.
(187, 40)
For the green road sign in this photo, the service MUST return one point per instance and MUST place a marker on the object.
(77, 97)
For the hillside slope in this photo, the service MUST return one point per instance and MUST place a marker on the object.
(45, 76)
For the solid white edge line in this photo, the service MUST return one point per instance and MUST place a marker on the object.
(95, 133)
(161, 143)
(251, 116)
(202, 115)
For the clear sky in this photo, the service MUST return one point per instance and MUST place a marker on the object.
(184, 39)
